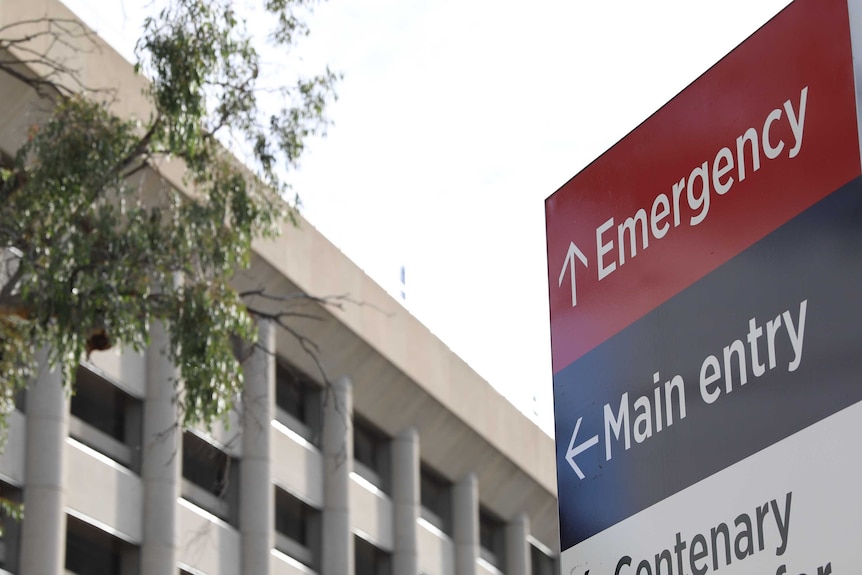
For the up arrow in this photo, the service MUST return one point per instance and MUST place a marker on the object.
(573, 451)
(570, 263)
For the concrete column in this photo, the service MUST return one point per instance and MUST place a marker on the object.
(161, 459)
(465, 524)
(256, 499)
(517, 546)
(338, 557)
(406, 502)
(43, 533)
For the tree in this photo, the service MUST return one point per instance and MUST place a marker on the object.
(91, 254)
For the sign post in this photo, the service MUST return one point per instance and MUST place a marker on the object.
(705, 280)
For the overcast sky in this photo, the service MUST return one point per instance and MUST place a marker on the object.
(455, 120)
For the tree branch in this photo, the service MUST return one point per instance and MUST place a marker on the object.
(58, 31)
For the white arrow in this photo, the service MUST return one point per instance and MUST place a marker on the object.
(570, 263)
(573, 451)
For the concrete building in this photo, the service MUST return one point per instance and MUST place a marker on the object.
(408, 464)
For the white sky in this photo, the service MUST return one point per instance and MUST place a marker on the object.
(455, 120)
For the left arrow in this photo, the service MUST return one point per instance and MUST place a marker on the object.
(573, 253)
(573, 451)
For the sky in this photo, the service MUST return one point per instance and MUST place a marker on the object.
(455, 119)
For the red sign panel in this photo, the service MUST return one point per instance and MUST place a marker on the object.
(763, 135)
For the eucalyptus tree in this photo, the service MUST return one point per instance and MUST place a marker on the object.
(91, 256)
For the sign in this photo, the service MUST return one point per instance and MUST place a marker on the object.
(705, 277)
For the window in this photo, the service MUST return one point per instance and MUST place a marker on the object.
(106, 418)
(491, 538)
(91, 551)
(211, 478)
(436, 497)
(297, 529)
(371, 454)
(10, 542)
(297, 403)
(542, 563)
(20, 400)
(371, 560)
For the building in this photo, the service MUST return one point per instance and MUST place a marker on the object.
(408, 463)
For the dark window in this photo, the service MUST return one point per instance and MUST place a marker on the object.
(205, 465)
(100, 404)
(106, 418)
(91, 551)
(436, 496)
(370, 560)
(297, 402)
(542, 563)
(371, 454)
(290, 392)
(21, 400)
(491, 538)
(297, 527)
(10, 542)
(212, 477)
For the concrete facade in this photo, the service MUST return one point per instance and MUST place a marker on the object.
(395, 466)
